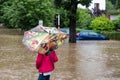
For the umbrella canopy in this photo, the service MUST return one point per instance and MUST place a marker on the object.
(42, 35)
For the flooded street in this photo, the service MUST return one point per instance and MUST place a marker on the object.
(85, 60)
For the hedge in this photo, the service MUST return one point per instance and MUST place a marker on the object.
(113, 35)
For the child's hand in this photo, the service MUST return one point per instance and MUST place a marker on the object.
(45, 46)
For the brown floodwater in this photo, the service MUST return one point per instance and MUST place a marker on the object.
(85, 60)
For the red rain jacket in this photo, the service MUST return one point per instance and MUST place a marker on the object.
(45, 63)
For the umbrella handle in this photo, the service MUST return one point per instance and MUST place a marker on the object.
(58, 32)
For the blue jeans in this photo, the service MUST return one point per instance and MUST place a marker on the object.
(42, 77)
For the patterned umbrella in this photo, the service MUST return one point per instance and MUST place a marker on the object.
(39, 35)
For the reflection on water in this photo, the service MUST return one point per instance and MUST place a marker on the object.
(89, 60)
(86, 60)
(92, 62)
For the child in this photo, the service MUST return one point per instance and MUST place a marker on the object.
(45, 63)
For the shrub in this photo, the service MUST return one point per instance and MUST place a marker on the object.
(113, 12)
(102, 24)
(113, 35)
(117, 23)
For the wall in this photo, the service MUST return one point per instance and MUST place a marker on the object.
(102, 4)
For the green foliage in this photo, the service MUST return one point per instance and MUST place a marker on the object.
(113, 1)
(25, 14)
(102, 24)
(113, 7)
(117, 4)
(83, 18)
(113, 12)
(64, 21)
(66, 4)
(109, 5)
(71, 7)
(113, 35)
(117, 23)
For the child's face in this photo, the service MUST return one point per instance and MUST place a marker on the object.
(52, 45)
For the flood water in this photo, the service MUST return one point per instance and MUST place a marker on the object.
(85, 60)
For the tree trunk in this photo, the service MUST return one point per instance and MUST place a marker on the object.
(72, 38)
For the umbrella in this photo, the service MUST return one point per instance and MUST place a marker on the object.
(39, 35)
(56, 34)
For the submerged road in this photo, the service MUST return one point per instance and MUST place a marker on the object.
(85, 60)
(89, 60)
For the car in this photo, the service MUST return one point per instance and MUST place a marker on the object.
(65, 30)
(90, 35)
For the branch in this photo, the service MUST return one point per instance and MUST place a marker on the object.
(78, 2)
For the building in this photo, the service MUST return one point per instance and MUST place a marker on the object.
(96, 8)
(101, 4)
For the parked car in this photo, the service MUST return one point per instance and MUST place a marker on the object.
(65, 30)
(90, 35)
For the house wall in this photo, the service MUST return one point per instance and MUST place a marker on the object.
(102, 4)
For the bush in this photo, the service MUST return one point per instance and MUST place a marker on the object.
(113, 35)
(102, 24)
(117, 23)
(113, 12)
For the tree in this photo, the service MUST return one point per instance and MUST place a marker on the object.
(63, 18)
(109, 5)
(71, 7)
(113, 1)
(118, 4)
(25, 14)
(1, 6)
(83, 18)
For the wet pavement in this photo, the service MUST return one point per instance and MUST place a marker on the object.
(85, 60)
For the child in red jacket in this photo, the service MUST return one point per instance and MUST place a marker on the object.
(45, 64)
